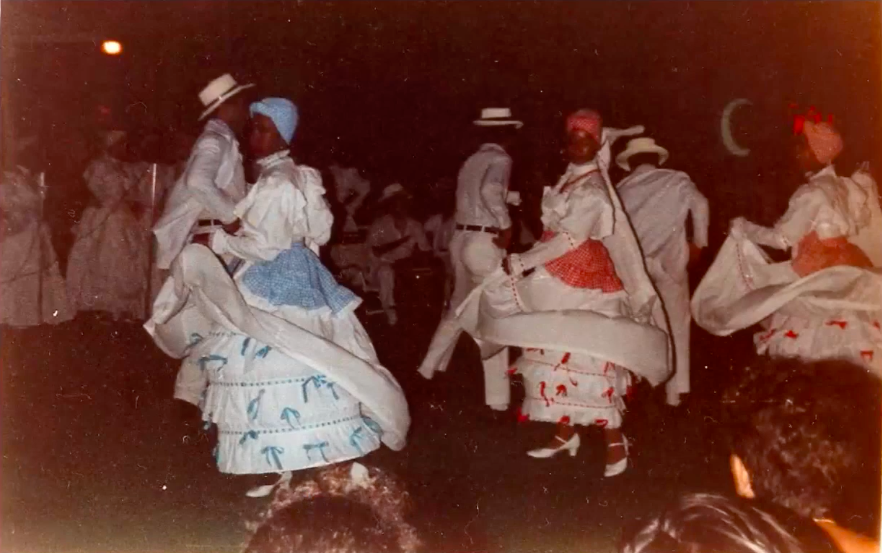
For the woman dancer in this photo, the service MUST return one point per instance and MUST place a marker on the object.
(823, 303)
(107, 269)
(32, 291)
(293, 381)
(583, 311)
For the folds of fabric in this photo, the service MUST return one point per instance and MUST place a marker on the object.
(107, 268)
(636, 340)
(834, 312)
(24, 255)
(200, 295)
(742, 288)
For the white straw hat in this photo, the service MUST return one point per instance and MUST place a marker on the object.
(391, 191)
(642, 145)
(219, 91)
(497, 117)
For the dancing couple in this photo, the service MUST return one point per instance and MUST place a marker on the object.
(274, 355)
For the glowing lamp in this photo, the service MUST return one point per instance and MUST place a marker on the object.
(111, 47)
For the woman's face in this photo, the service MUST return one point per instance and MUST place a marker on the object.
(805, 157)
(265, 139)
(581, 146)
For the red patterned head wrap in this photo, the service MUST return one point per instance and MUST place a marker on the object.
(823, 139)
(586, 120)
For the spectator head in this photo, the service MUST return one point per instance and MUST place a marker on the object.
(708, 523)
(343, 509)
(802, 432)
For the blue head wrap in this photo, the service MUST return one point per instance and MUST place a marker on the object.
(282, 112)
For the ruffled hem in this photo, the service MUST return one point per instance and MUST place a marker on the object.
(279, 450)
(577, 389)
(604, 417)
(851, 337)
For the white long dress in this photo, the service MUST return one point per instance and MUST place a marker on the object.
(834, 312)
(107, 268)
(26, 251)
(584, 328)
(279, 361)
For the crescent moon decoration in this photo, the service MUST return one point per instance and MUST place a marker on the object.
(726, 127)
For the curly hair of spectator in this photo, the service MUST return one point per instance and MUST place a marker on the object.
(330, 512)
(803, 429)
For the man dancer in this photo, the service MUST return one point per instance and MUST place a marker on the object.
(658, 202)
(206, 194)
(481, 237)
(214, 180)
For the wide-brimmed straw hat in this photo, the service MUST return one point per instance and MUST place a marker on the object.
(392, 191)
(497, 117)
(642, 145)
(219, 91)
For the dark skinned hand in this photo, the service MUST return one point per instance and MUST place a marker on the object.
(233, 228)
(503, 239)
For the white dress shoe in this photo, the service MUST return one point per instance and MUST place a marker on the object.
(571, 446)
(618, 467)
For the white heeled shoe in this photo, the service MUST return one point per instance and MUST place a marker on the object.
(620, 466)
(571, 446)
(265, 491)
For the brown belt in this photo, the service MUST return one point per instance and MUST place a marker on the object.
(478, 228)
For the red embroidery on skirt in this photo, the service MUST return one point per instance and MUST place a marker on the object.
(522, 417)
(561, 390)
(840, 324)
(608, 394)
(565, 359)
(791, 334)
(601, 422)
(564, 420)
(867, 355)
(512, 371)
(574, 383)
(768, 335)
(587, 266)
(542, 386)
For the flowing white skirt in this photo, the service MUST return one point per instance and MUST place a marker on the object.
(831, 314)
(288, 388)
(21, 256)
(107, 268)
(563, 384)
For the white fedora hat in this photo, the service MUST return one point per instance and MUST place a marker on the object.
(391, 191)
(218, 91)
(642, 145)
(497, 117)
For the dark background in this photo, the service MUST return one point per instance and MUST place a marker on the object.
(392, 87)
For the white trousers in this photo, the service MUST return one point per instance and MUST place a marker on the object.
(474, 256)
(675, 299)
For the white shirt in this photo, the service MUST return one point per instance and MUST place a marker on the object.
(285, 205)
(113, 181)
(384, 231)
(212, 184)
(576, 209)
(829, 205)
(657, 202)
(350, 190)
(482, 188)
